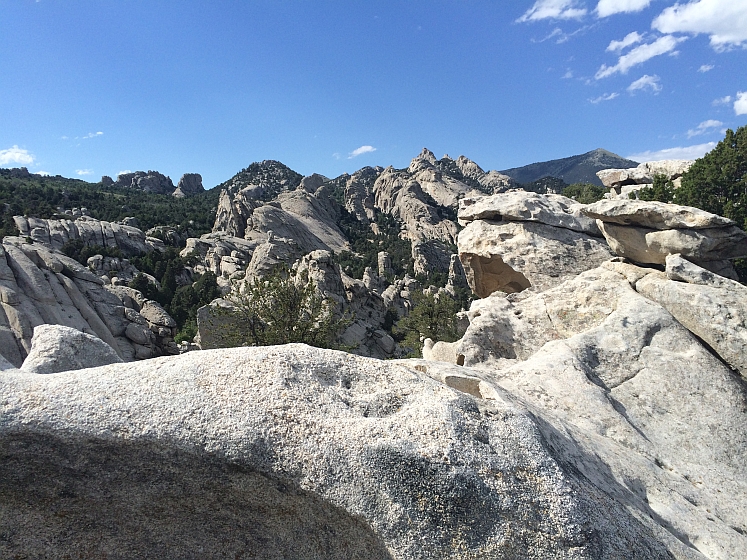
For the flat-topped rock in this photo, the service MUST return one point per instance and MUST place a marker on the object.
(653, 215)
(644, 173)
(553, 210)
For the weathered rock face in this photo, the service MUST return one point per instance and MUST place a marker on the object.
(150, 182)
(526, 240)
(189, 185)
(55, 348)
(306, 453)
(41, 286)
(646, 232)
(603, 352)
(55, 233)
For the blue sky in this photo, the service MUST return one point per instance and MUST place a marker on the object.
(91, 88)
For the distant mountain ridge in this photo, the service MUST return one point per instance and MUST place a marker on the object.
(575, 169)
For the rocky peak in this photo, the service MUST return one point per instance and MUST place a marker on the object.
(189, 185)
(425, 155)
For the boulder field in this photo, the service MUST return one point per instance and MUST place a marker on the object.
(597, 411)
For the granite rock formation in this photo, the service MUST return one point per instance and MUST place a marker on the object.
(624, 183)
(516, 240)
(41, 286)
(189, 185)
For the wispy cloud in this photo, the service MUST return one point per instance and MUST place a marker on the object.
(610, 7)
(568, 75)
(83, 172)
(740, 103)
(724, 21)
(706, 68)
(123, 172)
(362, 150)
(84, 137)
(43, 173)
(722, 100)
(646, 82)
(680, 152)
(605, 97)
(639, 55)
(553, 9)
(629, 39)
(706, 126)
(16, 155)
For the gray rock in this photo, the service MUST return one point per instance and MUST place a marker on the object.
(653, 215)
(647, 245)
(150, 182)
(55, 348)
(712, 308)
(519, 205)
(189, 185)
(512, 256)
(303, 453)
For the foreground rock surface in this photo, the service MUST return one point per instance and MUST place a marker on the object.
(297, 452)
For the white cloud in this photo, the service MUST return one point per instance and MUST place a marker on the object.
(16, 155)
(123, 172)
(553, 9)
(639, 55)
(646, 82)
(568, 75)
(724, 21)
(43, 173)
(605, 97)
(705, 126)
(82, 172)
(361, 150)
(609, 7)
(93, 134)
(740, 103)
(722, 100)
(680, 152)
(706, 68)
(629, 39)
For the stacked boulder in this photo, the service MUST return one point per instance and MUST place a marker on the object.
(624, 183)
(646, 232)
(518, 239)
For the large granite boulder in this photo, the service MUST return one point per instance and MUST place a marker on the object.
(55, 348)
(297, 452)
(646, 232)
(516, 240)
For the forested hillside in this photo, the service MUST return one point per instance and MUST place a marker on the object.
(45, 197)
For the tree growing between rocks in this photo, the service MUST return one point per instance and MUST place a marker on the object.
(431, 317)
(281, 309)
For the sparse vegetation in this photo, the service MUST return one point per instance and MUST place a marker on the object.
(431, 317)
(280, 309)
(585, 193)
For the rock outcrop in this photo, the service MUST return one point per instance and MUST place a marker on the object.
(624, 183)
(41, 286)
(189, 185)
(516, 240)
(646, 232)
(151, 182)
(91, 232)
(304, 453)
